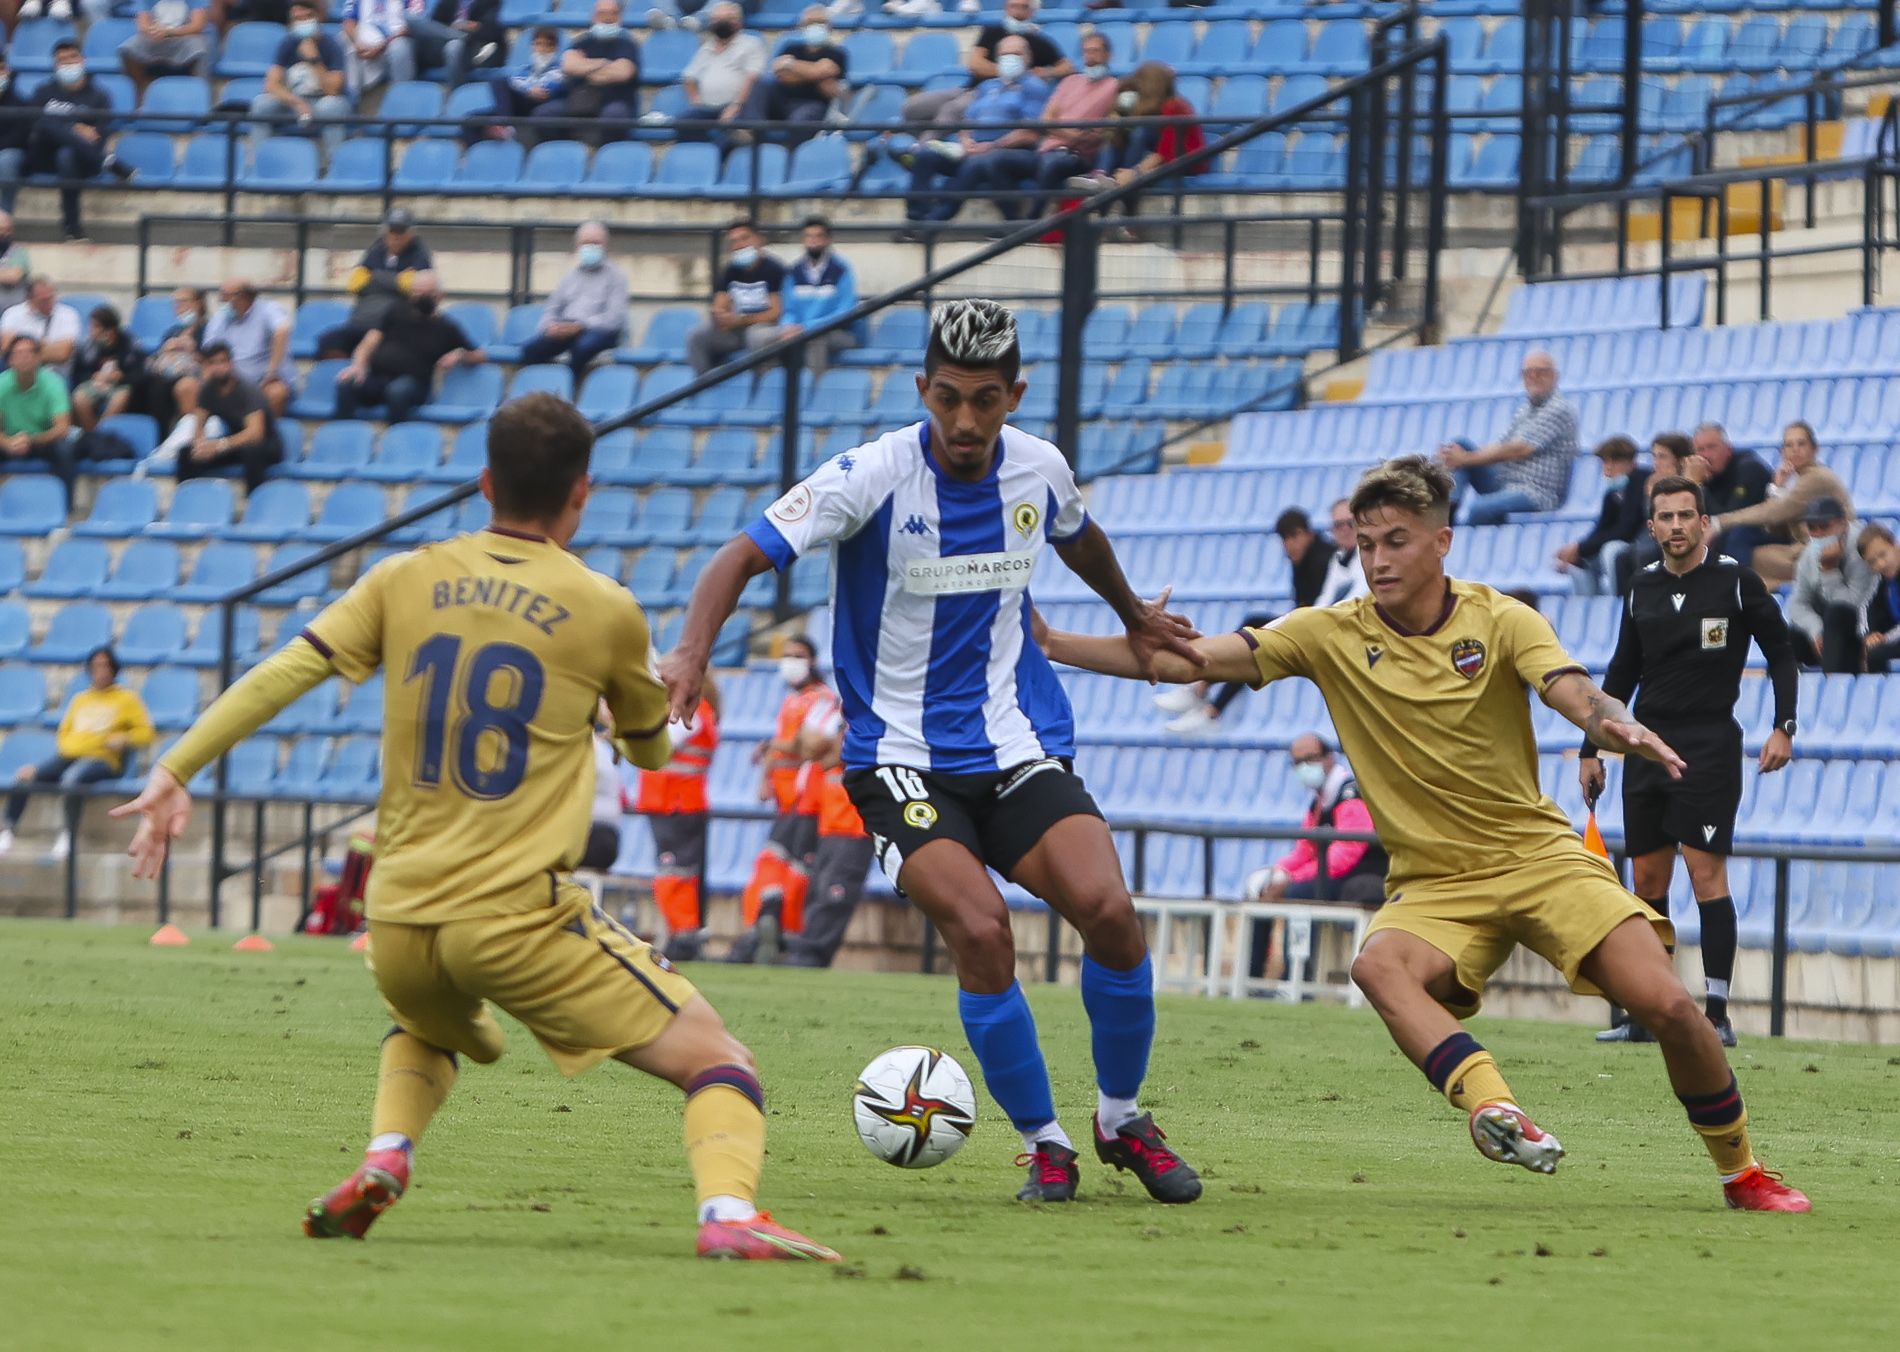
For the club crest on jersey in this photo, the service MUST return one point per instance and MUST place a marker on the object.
(794, 506)
(1373, 653)
(1025, 519)
(1467, 657)
(920, 816)
(1714, 634)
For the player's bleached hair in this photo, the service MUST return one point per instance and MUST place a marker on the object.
(974, 333)
(1410, 483)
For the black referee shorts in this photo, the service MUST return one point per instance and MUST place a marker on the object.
(999, 817)
(1697, 810)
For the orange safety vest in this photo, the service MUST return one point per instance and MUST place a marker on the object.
(783, 767)
(681, 786)
(837, 814)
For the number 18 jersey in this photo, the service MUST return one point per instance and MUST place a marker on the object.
(496, 648)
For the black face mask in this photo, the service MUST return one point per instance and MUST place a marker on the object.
(6, 242)
(425, 305)
(815, 254)
(724, 28)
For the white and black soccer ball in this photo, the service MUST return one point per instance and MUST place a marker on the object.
(914, 1107)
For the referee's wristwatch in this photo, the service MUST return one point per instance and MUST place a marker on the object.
(1786, 726)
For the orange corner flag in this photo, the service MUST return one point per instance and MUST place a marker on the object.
(253, 943)
(168, 936)
(1593, 838)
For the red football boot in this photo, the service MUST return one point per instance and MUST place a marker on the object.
(759, 1237)
(1756, 1189)
(354, 1204)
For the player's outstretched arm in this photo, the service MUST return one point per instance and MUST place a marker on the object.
(1222, 657)
(1153, 630)
(1608, 721)
(715, 597)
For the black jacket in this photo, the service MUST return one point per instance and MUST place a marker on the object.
(16, 126)
(1621, 517)
(486, 16)
(1309, 574)
(59, 105)
(1743, 484)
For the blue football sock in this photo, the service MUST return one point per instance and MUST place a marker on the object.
(1002, 1032)
(1121, 1009)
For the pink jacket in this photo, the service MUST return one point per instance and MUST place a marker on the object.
(1301, 863)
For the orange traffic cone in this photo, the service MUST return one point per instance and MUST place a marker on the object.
(253, 943)
(360, 942)
(1593, 838)
(168, 936)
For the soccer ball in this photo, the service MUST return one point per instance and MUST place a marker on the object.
(914, 1107)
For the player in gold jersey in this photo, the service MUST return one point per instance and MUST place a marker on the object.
(499, 645)
(1426, 679)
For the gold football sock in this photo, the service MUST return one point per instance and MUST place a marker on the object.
(1463, 1071)
(414, 1080)
(1721, 1120)
(725, 1133)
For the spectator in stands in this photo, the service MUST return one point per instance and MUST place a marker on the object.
(231, 425)
(1088, 95)
(35, 410)
(1731, 480)
(1149, 91)
(1672, 455)
(719, 78)
(1598, 564)
(42, 315)
(530, 86)
(258, 333)
(380, 279)
(106, 371)
(307, 80)
(817, 287)
(587, 314)
(1827, 612)
(224, 13)
(1876, 547)
(399, 358)
(1527, 469)
(172, 39)
(806, 77)
(376, 38)
(103, 724)
(747, 301)
(68, 139)
(17, 111)
(1001, 106)
(1769, 530)
(984, 62)
(1355, 869)
(177, 357)
(458, 35)
(602, 76)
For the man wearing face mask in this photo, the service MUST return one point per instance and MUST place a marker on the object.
(818, 286)
(1087, 95)
(719, 78)
(68, 139)
(774, 901)
(1000, 108)
(307, 81)
(458, 34)
(806, 77)
(171, 39)
(747, 303)
(381, 278)
(587, 314)
(602, 67)
(519, 92)
(237, 427)
(1046, 62)
(398, 360)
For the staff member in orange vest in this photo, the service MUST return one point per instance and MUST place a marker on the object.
(673, 800)
(774, 900)
(843, 856)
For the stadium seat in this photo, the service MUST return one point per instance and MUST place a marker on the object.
(171, 697)
(146, 568)
(349, 508)
(174, 104)
(277, 511)
(248, 49)
(199, 507)
(689, 169)
(664, 339)
(465, 394)
(31, 504)
(283, 164)
(153, 633)
(554, 168)
(407, 452)
(121, 507)
(12, 566)
(206, 644)
(489, 168)
(427, 167)
(337, 450)
(16, 628)
(607, 392)
(76, 630)
(620, 168)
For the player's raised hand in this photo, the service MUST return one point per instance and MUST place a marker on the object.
(1157, 630)
(682, 675)
(1776, 752)
(163, 808)
(1633, 739)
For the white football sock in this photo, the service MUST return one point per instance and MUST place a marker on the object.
(392, 1140)
(1115, 1113)
(725, 1207)
(1048, 1131)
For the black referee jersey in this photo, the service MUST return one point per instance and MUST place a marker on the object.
(1684, 641)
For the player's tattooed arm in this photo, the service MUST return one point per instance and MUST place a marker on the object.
(1607, 721)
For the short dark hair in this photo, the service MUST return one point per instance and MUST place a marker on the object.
(1870, 532)
(817, 221)
(1676, 483)
(106, 315)
(1291, 522)
(19, 338)
(217, 349)
(742, 223)
(1618, 447)
(803, 640)
(65, 45)
(1410, 483)
(1675, 443)
(976, 335)
(538, 448)
(104, 650)
(544, 31)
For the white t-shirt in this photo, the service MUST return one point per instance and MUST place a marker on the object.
(63, 323)
(721, 72)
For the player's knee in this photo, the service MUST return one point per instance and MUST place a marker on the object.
(1671, 1014)
(985, 935)
(1376, 973)
(1104, 908)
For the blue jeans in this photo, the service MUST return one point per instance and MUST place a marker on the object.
(963, 175)
(1482, 498)
(581, 349)
(68, 774)
(444, 43)
(400, 396)
(12, 170)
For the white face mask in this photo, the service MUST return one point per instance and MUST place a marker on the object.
(794, 671)
(1010, 67)
(1311, 773)
(816, 34)
(1096, 72)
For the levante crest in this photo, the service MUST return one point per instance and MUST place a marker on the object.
(1467, 657)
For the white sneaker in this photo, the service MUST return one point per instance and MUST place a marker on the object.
(6, 840)
(970, 7)
(30, 9)
(1177, 699)
(1194, 723)
(660, 19)
(60, 9)
(62, 846)
(837, 9)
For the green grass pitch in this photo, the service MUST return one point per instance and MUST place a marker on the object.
(167, 1113)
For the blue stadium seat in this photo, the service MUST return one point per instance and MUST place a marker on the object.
(12, 566)
(689, 169)
(736, 176)
(662, 455)
(248, 49)
(199, 507)
(664, 339)
(357, 166)
(364, 712)
(317, 399)
(820, 165)
(204, 648)
(619, 169)
(665, 518)
(308, 585)
(554, 167)
(337, 450)
(31, 51)
(519, 325)
(146, 568)
(209, 159)
(407, 452)
(427, 167)
(152, 315)
(75, 568)
(925, 55)
(171, 697)
(31, 504)
(663, 55)
(278, 510)
(349, 508)
(413, 98)
(121, 507)
(556, 378)
(489, 168)
(174, 104)
(605, 519)
(477, 321)
(1340, 48)
(607, 392)
(151, 154)
(75, 631)
(465, 394)
(16, 628)
(312, 319)
(155, 632)
(468, 453)
(897, 335)
(1150, 334)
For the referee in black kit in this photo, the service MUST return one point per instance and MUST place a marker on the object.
(1687, 623)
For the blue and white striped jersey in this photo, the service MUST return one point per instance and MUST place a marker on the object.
(930, 599)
